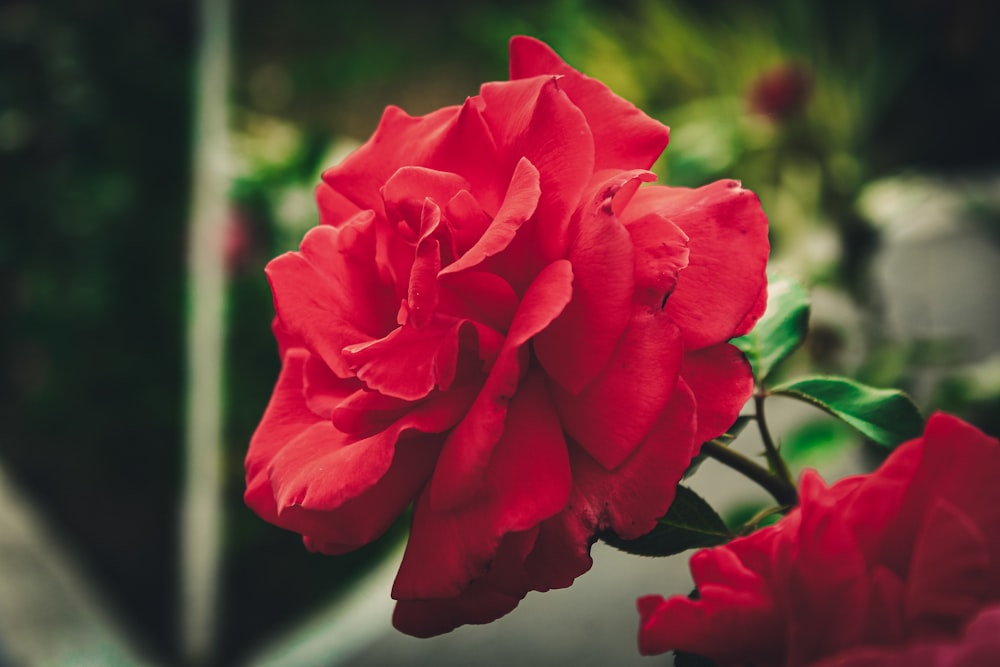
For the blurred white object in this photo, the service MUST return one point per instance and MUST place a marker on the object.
(938, 272)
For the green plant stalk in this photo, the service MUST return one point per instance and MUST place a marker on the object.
(774, 458)
(782, 490)
(755, 521)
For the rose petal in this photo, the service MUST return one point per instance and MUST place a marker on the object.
(399, 140)
(428, 618)
(518, 205)
(366, 412)
(328, 296)
(681, 624)
(534, 119)
(827, 580)
(627, 500)
(562, 549)
(609, 418)
(365, 517)
(467, 221)
(463, 460)
(406, 192)
(624, 136)
(527, 480)
(409, 363)
(871, 503)
(951, 561)
(732, 599)
(466, 147)
(311, 469)
(286, 458)
(322, 391)
(661, 252)
(293, 450)
(575, 348)
(977, 647)
(485, 600)
(423, 292)
(722, 383)
(479, 296)
(334, 208)
(718, 294)
(631, 498)
(957, 463)
(286, 416)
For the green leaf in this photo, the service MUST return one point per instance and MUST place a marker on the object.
(690, 523)
(886, 416)
(817, 442)
(782, 328)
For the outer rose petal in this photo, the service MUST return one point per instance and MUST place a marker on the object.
(528, 480)
(467, 147)
(486, 599)
(364, 518)
(293, 449)
(627, 500)
(827, 575)
(748, 616)
(624, 137)
(479, 604)
(871, 502)
(959, 463)
(722, 383)
(399, 140)
(534, 119)
(334, 208)
(718, 294)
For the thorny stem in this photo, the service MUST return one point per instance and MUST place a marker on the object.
(782, 490)
(774, 459)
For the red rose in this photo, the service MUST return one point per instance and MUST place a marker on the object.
(907, 554)
(978, 646)
(494, 322)
(782, 92)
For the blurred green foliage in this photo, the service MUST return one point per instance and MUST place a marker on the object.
(95, 101)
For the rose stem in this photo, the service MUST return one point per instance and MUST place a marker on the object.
(774, 458)
(782, 490)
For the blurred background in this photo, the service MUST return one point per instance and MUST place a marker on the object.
(867, 128)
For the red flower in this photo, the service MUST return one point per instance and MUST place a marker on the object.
(782, 92)
(978, 646)
(495, 323)
(904, 555)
